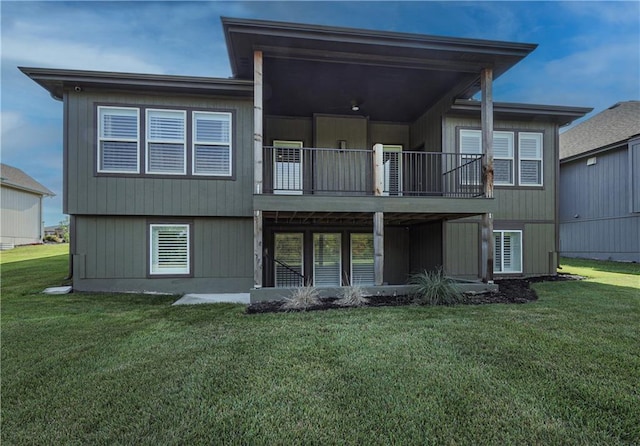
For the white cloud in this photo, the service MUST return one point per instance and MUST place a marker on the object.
(9, 120)
(33, 51)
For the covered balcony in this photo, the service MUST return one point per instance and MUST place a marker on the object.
(354, 172)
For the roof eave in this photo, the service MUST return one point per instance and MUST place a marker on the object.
(332, 38)
(562, 115)
(55, 81)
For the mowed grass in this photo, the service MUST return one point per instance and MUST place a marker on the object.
(131, 369)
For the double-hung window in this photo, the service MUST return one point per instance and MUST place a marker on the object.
(530, 154)
(507, 257)
(503, 158)
(166, 142)
(212, 143)
(529, 157)
(470, 148)
(169, 249)
(118, 140)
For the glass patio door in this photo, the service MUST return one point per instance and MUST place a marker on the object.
(289, 260)
(287, 169)
(327, 259)
(392, 163)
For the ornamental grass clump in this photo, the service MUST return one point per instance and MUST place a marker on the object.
(302, 298)
(434, 288)
(352, 296)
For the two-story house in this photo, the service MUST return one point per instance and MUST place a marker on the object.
(332, 156)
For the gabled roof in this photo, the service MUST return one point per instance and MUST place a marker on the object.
(16, 178)
(608, 129)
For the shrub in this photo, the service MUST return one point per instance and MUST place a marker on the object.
(302, 298)
(51, 238)
(352, 296)
(434, 288)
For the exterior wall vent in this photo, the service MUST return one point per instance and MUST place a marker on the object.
(591, 161)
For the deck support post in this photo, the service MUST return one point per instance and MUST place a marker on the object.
(378, 217)
(486, 117)
(257, 167)
(378, 248)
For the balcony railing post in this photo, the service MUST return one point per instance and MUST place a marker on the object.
(378, 170)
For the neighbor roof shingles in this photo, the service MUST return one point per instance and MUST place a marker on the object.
(12, 176)
(616, 124)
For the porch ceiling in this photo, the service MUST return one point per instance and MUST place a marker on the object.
(355, 218)
(393, 76)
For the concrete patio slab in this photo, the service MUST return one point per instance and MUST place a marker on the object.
(194, 299)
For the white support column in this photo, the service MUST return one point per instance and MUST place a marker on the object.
(257, 167)
(486, 117)
(378, 248)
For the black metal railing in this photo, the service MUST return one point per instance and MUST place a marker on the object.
(286, 275)
(304, 170)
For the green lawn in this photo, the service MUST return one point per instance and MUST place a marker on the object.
(131, 369)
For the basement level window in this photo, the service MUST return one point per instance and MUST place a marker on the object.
(591, 161)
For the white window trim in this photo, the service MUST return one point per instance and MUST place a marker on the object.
(502, 231)
(100, 139)
(196, 142)
(183, 272)
(511, 159)
(148, 141)
(541, 159)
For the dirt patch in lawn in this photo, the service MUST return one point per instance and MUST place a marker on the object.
(511, 291)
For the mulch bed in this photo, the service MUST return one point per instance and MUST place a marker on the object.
(511, 291)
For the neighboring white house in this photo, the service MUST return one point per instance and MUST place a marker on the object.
(21, 208)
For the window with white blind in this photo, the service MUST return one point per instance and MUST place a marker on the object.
(166, 142)
(507, 257)
(118, 140)
(169, 249)
(362, 270)
(503, 158)
(327, 259)
(212, 143)
(470, 144)
(530, 155)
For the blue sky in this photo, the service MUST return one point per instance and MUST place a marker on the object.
(588, 54)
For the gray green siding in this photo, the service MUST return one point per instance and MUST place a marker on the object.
(89, 194)
(111, 254)
(512, 202)
(462, 249)
(288, 129)
(328, 130)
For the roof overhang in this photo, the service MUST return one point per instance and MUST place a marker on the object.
(19, 187)
(56, 81)
(624, 144)
(397, 75)
(561, 115)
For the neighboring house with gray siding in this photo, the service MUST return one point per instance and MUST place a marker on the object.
(21, 208)
(600, 186)
(332, 156)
